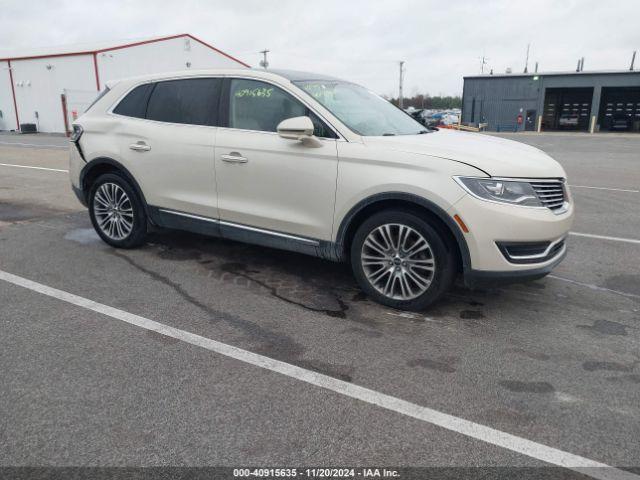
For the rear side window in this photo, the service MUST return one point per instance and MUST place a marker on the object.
(135, 103)
(192, 101)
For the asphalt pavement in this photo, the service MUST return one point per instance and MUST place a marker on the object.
(555, 361)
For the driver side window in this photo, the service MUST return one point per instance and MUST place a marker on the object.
(260, 106)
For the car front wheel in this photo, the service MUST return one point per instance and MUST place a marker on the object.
(400, 260)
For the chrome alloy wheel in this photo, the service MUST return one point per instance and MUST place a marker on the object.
(113, 211)
(398, 261)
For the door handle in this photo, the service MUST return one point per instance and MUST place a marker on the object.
(140, 147)
(233, 157)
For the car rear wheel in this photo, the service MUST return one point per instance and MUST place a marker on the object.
(116, 212)
(400, 260)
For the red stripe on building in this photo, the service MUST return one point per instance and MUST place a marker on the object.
(13, 92)
(95, 69)
(127, 45)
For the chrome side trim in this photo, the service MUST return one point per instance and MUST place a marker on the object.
(308, 241)
(304, 240)
(188, 215)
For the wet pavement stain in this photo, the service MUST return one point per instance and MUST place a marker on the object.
(475, 303)
(592, 366)
(179, 254)
(527, 353)
(471, 314)
(628, 283)
(527, 387)
(360, 297)
(241, 270)
(633, 378)
(606, 327)
(267, 342)
(20, 211)
(83, 236)
(445, 364)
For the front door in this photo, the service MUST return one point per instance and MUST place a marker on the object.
(267, 182)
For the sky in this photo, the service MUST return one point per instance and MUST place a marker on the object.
(362, 41)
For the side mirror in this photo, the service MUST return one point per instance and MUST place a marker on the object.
(296, 128)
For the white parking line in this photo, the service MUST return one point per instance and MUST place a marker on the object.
(595, 287)
(605, 188)
(44, 145)
(34, 168)
(605, 237)
(449, 422)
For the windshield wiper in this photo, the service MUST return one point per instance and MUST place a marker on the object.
(388, 134)
(422, 132)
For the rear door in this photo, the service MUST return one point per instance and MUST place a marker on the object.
(265, 181)
(170, 150)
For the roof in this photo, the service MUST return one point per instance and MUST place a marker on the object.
(280, 76)
(94, 48)
(297, 76)
(549, 74)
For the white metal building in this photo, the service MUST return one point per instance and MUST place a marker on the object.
(48, 87)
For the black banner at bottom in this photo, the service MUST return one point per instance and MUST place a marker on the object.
(240, 472)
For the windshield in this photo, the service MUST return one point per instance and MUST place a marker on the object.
(362, 111)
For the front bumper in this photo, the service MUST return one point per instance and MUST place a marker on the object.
(478, 278)
(492, 226)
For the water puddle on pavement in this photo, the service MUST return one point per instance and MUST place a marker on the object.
(84, 236)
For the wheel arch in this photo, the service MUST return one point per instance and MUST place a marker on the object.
(384, 201)
(101, 165)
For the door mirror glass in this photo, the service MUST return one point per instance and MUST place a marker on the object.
(296, 128)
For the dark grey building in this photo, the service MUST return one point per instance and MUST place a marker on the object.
(583, 101)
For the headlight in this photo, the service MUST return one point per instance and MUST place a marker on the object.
(498, 190)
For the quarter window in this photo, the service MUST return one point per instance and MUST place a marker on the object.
(135, 103)
(192, 101)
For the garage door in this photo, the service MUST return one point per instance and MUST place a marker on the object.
(620, 109)
(567, 108)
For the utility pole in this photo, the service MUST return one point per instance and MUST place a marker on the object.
(526, 62)
(400, 99)
(483, 62)
(264, 63)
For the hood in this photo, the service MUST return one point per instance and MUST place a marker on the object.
(495, 156)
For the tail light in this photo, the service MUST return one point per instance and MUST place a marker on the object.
(76, 134)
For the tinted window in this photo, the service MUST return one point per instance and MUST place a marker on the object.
(319, 128)
(193, 101)
(260, 106)
(135, 103)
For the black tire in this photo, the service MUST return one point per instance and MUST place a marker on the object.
(138, 233)
(442, 253)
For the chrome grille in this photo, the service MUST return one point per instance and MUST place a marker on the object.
(550, 192)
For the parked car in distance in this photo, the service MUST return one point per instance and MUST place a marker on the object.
(620, 122)
(317, 165)
(568, 121)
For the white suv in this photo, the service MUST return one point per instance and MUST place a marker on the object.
(314, 164)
